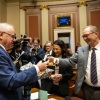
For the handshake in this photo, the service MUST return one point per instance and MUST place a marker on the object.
(42, 66)
(42, 74)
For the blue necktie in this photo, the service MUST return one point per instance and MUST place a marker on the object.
(93, 67)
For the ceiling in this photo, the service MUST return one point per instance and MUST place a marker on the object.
(23, 1)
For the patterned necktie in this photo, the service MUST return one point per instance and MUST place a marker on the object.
(93, 68)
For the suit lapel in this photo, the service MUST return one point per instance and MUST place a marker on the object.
(9, 59)
(86, 53)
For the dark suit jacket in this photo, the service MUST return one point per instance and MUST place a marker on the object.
(39, 56)
(80, 59)
(11, 82)
(46, 84)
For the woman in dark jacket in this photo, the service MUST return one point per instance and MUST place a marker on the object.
(57, 83)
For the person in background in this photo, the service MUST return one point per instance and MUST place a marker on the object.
(57, 83)
(16, 53)
(77, 45)
(29, 45)
(88, 64)
(11, 82)
(48, 49)
(31, 42)
(37, 53)
(69, 49)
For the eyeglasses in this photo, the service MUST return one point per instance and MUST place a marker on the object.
(86, 35)
(12, 36)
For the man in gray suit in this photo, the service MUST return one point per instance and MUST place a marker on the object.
(90, 90)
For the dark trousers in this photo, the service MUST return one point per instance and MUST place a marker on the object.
(56, 90)
(90, 93)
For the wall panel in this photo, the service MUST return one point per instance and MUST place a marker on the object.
(33, 23)
(63, 10)
(93, 13)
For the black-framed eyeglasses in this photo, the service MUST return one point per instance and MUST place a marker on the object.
(12, 36)
(86, 35)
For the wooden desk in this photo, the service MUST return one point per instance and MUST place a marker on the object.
(50, 96)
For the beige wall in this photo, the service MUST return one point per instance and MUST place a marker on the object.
(16, 16)
(22, 22)
(13, 16)
(3, 11)
(45, 30)
(82, 21)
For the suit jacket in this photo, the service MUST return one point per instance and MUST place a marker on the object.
(80, 59)
(67, 73)
(37, 57)
(46, 54)
(11, 82)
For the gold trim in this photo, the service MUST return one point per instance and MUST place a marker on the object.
(23, 8)
(63, 15)
(44, 7)
(79, 4)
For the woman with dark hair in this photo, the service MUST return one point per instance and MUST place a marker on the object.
(57, 83)
(59, 44)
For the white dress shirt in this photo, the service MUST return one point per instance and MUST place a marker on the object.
(46, 54)
(87, 76)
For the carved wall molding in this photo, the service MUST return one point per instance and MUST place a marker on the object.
(79, 4)
(44, 7)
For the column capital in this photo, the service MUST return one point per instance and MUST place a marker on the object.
(23, 8)
(44, 7)
(79, 4)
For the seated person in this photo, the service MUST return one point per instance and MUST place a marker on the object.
(57, 83)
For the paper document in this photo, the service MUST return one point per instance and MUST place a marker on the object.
(34, 95)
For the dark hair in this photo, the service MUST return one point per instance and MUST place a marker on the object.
(36, 39)
(65, 52)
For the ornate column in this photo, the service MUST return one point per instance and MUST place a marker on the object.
(22, 20)
(82, 18)
(44, 15)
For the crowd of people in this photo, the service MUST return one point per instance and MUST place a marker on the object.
(14, 53)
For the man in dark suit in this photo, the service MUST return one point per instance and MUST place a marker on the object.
(37, 53)
(48, 49)
(83, 59)
(11, 82)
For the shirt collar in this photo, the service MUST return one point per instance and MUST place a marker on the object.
(2, 47)
(97, 46)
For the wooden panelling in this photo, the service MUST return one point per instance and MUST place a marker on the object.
(33, 26)
(93, 13)
(95, 18)
(60, 11)
(33, 23)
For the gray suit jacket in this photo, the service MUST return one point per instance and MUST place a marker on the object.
(81, 60)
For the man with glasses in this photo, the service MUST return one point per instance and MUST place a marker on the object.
(88, 64)
(48, 49)
(11, 82)
(12, 36)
